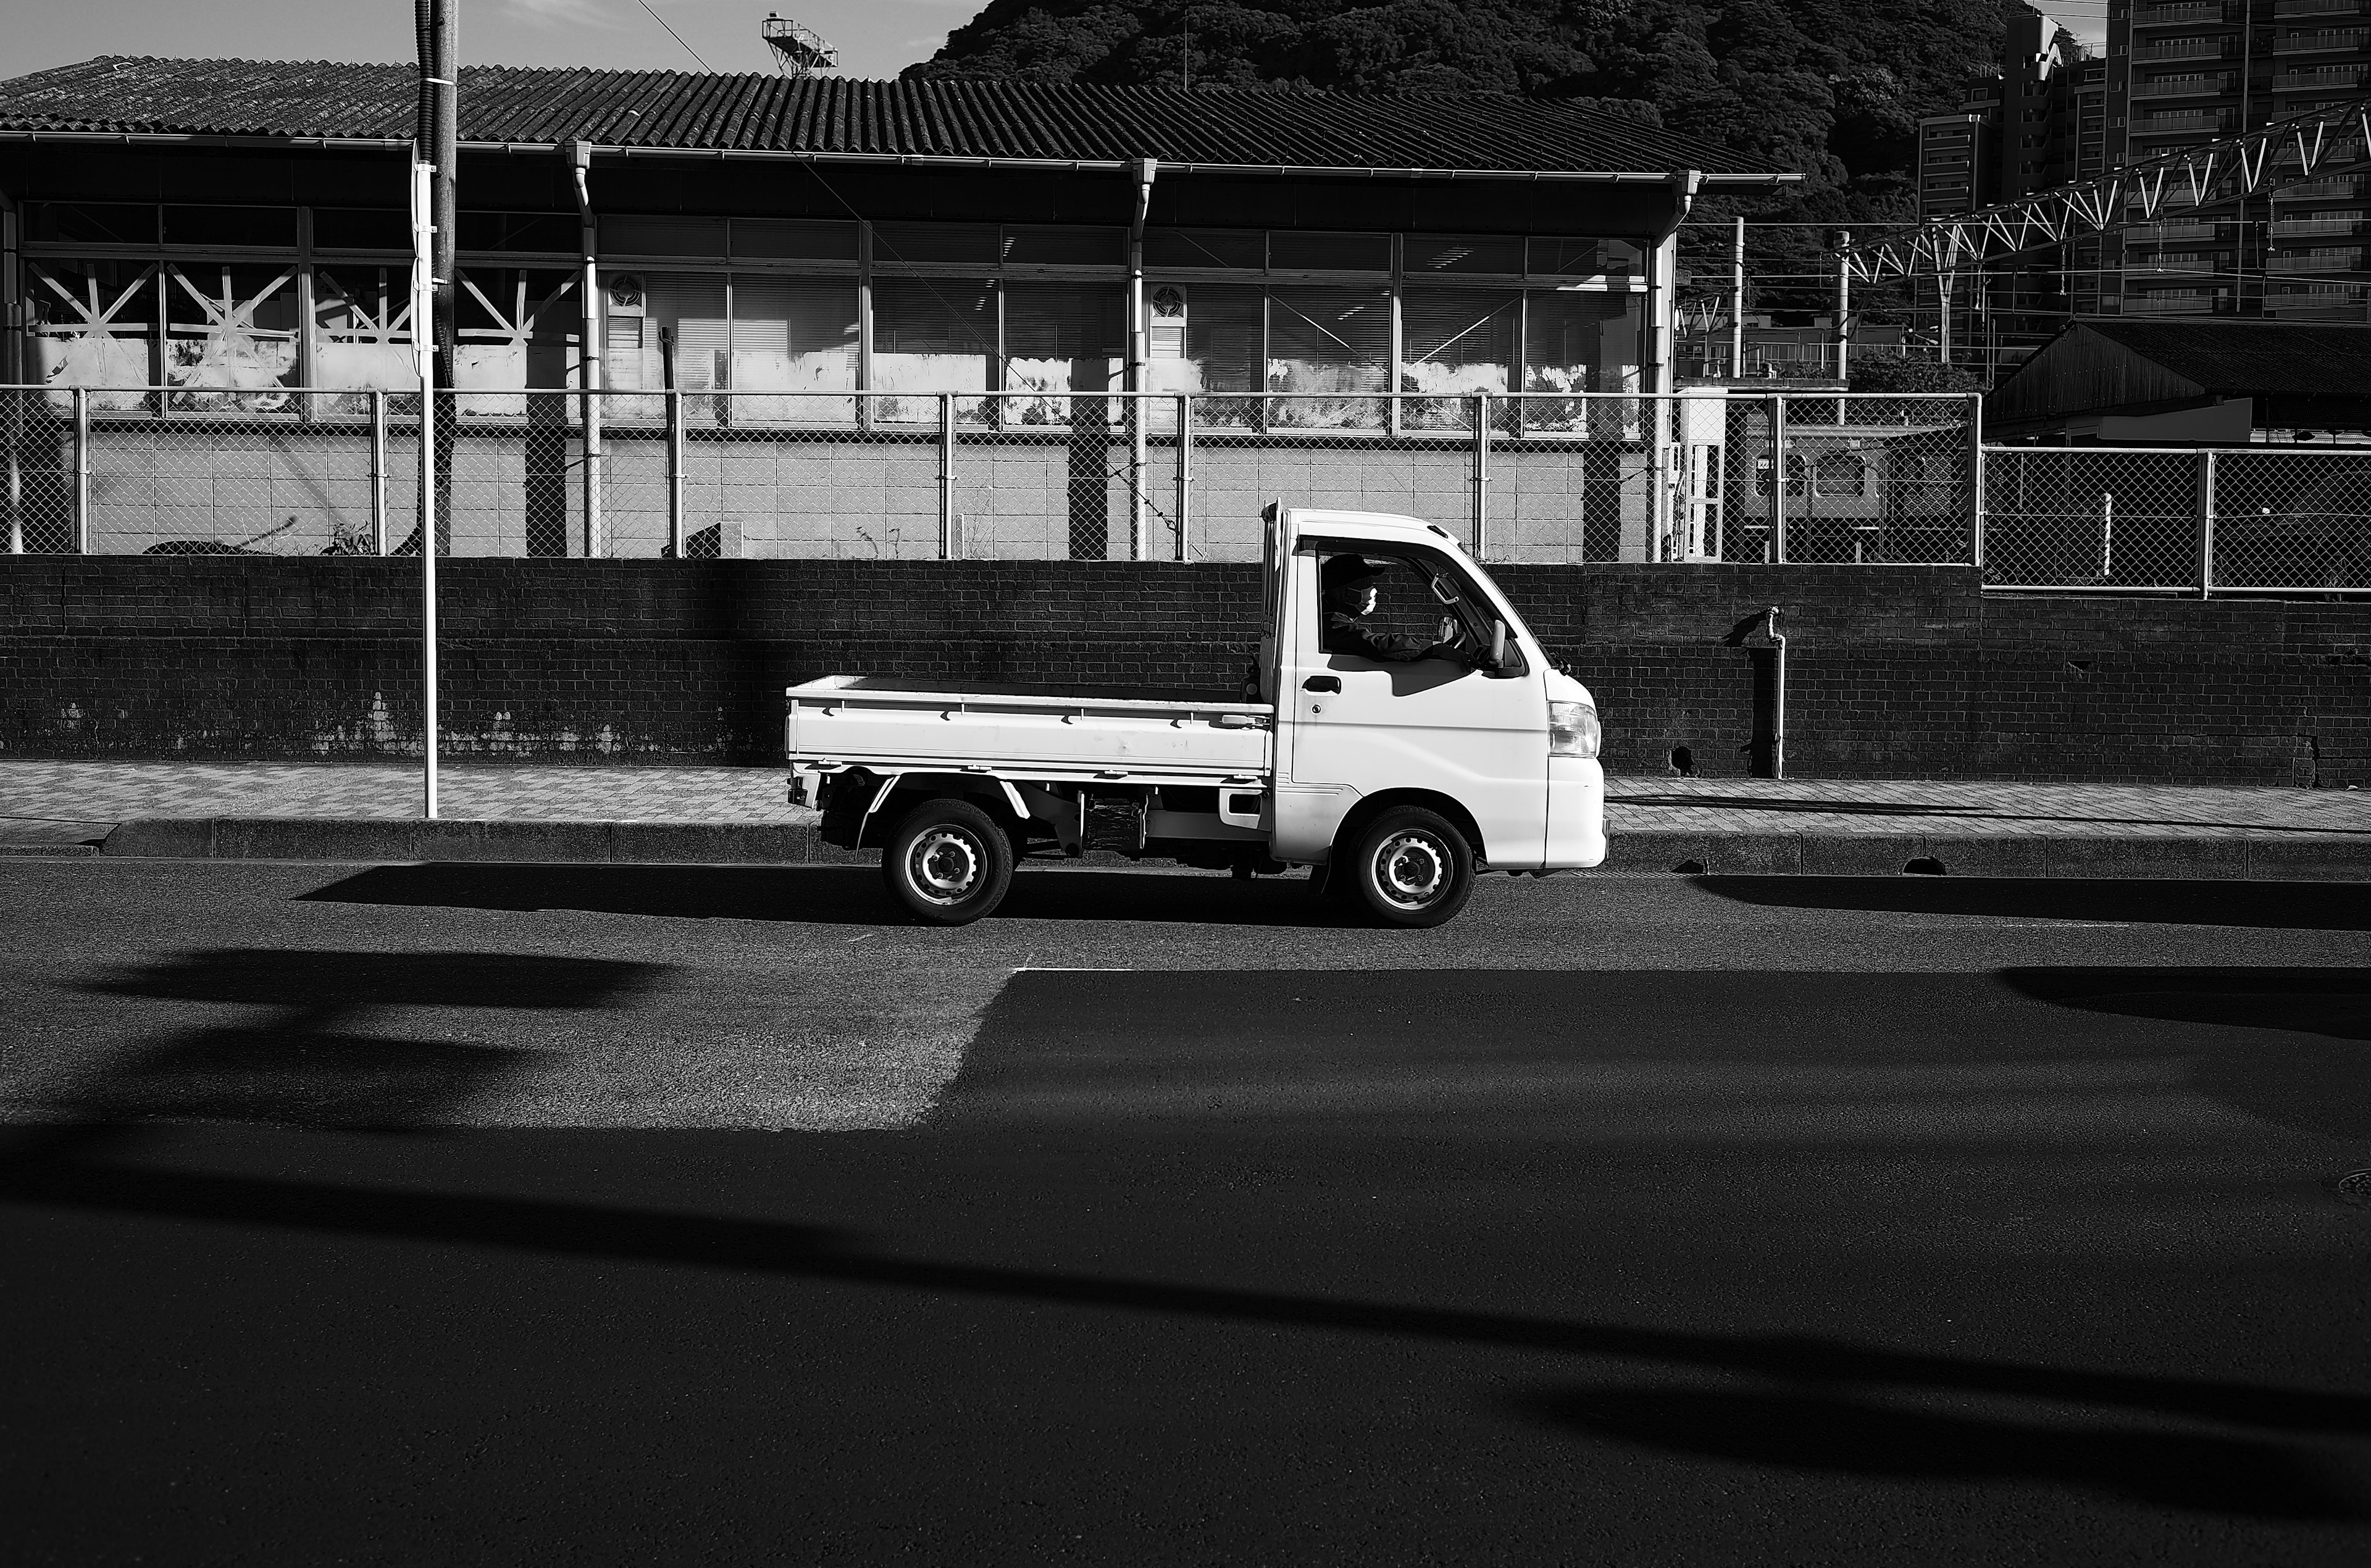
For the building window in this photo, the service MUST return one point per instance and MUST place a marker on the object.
(230, 335)
(94, 324)
(1061, 339)
(1333, 343)
(932, 335)
(361, 332)
(1455, 343)
(792, 335)
(517, 330)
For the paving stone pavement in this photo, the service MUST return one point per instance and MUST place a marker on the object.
(66, 803)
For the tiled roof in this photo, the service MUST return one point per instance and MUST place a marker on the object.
(971, 120)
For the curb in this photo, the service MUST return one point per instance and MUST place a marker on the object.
(622, 843)
(2236, 855)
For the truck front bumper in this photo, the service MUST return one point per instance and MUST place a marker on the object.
(1576, 814)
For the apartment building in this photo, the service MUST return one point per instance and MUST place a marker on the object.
(2182, 72)
(2036, 118)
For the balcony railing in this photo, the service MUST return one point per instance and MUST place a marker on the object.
(2185, 87)
(2171, 301)
(2180, 12)
(2190, 48)
(2331, 79)
(2329, 42)
(2349, 260)
(2299, 228)
(2316, 189)
(2174, 122)
(2318, 7)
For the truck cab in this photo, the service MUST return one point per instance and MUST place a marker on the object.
(1401, 730)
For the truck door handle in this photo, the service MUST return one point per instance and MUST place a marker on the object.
(1322, 683)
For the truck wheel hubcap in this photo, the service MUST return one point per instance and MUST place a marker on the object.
(944, 865)
(1412, 869)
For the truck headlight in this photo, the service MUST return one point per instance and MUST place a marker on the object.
(1572, 729)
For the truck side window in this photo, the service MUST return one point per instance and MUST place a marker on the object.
(1403, 610)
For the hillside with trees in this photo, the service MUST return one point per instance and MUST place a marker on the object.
(1829, 88)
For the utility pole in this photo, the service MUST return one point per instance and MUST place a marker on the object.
(436, 149)
(1843, 304)
(447, 86)
(1737, 303)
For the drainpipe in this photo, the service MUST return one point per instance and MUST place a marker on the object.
(588, 355)
(1778, 694)
(1139, 356)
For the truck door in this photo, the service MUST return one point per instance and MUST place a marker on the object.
(1381, 719)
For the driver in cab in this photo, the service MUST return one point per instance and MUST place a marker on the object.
(1346, 585)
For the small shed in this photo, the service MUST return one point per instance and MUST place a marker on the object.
(2114, 381)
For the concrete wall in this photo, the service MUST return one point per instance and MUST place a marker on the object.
(278, 486)
(1894, 671)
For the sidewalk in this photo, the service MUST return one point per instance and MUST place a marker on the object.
(527, 811)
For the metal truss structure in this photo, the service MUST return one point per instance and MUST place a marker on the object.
(2213, 174)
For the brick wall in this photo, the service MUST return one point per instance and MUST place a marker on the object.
(1899, 671)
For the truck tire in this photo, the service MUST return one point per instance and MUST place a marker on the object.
(1410, 867)
(948, 862)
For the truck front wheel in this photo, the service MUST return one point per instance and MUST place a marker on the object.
(948, 862)
(1411, 867)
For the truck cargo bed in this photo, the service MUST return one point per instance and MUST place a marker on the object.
(1030, 732)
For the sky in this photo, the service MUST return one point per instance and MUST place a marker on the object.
(875, 37)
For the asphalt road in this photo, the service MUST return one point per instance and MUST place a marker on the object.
(455, 1214)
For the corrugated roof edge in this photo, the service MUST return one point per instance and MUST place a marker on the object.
(44, 122)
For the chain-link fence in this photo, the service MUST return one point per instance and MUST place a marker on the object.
(2155, 519)
(1704, 475)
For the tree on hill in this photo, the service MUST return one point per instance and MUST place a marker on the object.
(1830, 88)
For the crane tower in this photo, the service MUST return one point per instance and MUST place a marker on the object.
(799, 50)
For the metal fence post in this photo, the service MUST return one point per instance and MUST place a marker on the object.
(1184, 469)
(82, 469)
(16, 438)
(1778, 478)
(378, 472)
(947, 477)
(1139, 546)
(1976, 482)
(1480, 473)
(595, 546)
(2206, 462)
(675, 473)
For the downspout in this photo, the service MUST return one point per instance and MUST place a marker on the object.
(1777, 694)
(588, 354)
(1139, 356)
(1662, 305)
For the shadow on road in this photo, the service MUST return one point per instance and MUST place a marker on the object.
(2278, 906)
(826, 895)
(2200, 1472)
(300, 1054)
(2320, 1087)
(2255, 1476)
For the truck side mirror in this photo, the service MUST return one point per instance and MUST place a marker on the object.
(1506, 655)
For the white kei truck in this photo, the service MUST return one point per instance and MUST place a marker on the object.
(1398, 779)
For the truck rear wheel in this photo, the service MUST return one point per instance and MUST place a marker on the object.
(1411, 867)
(948, 862)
